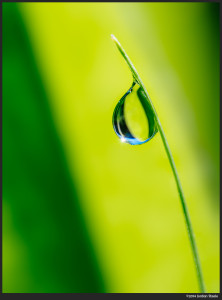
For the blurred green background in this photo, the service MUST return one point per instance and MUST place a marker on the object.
(83, 212)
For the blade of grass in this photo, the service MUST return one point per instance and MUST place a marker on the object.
(173, 166)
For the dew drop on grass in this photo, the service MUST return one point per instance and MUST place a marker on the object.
(133, 118)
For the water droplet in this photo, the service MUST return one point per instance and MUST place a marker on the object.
(133, 118)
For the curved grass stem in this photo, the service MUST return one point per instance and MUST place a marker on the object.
(173, 166)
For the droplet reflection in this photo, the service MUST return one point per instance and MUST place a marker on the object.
(133, 118)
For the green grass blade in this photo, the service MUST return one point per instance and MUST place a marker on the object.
(173, 166)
